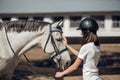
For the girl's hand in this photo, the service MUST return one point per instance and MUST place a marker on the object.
(64, 40)
(59, 74)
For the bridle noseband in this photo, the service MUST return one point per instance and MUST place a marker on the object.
(57, 51)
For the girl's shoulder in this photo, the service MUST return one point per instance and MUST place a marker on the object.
(88, 44)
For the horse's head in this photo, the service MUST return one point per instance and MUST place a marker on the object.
(52, 44)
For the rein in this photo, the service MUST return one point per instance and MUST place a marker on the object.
(57, 52)
(17, 55)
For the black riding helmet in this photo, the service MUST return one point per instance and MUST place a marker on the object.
(88, 24)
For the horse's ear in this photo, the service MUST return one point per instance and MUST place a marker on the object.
(58, 24)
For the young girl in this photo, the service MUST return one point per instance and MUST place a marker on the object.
(89, 52)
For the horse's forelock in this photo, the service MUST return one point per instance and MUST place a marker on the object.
(23, 25)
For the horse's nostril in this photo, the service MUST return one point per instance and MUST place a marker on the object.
(68, 63)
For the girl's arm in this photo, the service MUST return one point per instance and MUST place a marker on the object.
(70, 69)
(75, 52)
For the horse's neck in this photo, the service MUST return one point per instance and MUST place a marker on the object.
(23, 41)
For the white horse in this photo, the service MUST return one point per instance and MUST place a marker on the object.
(16, 37)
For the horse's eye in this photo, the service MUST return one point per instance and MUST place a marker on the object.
(60, 39)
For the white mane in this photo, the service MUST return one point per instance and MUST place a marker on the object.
(23, 25)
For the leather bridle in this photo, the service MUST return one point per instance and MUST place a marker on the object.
(57, 51)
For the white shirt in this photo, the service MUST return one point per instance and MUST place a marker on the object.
(90, 55)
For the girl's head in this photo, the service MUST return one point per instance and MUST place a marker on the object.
(89, 27)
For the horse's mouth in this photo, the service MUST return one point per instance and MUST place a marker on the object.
(66, 66)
